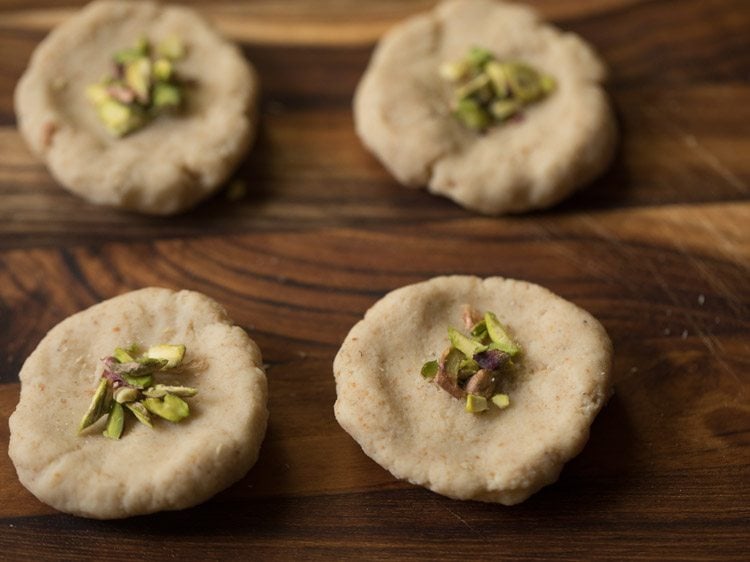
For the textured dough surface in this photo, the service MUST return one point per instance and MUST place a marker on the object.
(420, 433)
(402, 110)
(171, 466)
(173, 162)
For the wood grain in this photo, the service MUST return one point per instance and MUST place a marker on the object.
(658, 249)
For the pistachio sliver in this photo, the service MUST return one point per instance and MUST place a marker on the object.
(172, 354)
(140, 412)
(499, 335)
(475, 404)
(139, 382)
(454, 71)
(162, 69)
(166, 96)
(97, 407)
(161, 390)
(548, 84)
(118, 118)
(502, 401)
(123, 355)
(476, 87)
(430, 369)
(504, 109)
(471, 114)
(479, 57)
(115, 421)
(125, 394)
(524, 81)
(498, 79)
(465, 345)
(171, 408)
(138, 78)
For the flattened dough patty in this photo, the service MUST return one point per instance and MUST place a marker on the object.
(171, 466)
(402, 110)
(173, 162)
(420, 433)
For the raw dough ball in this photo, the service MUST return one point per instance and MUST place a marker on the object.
(420, 433)
(402, 110)
(173, 465)
(173, 162)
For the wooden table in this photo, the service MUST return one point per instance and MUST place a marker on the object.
(658, 249)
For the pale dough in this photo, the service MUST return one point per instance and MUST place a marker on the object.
(420, 433)
(172, 163)
(171, 466)
(402, 110)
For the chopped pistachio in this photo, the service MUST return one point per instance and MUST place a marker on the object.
(162, 69)
(138, 78)
(97, 93)
(122, 355)
(139, 381)
(465, 345)
(171, 47)
(502, 401)
(478, 57)
(173, 354)
(524, 81)
(454, 71)
(472, 115)
(472, 366)
(140, 412)
(115, 421)
(499, 80)
(475, 404)
(125, 394)
(171, 407)
(499, 335)
(97, 407)
(478, 86)
(141, 87)
(489, 91)
(166, 96)
(161, 390)
(430, 369)
(120, 119)
(504, 109)
(451, 360)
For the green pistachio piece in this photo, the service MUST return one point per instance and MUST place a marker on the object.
(173, 354)
(122, 355)
(171, 47)
(479, 330)
(499, 335)
(478, 57)
(475, 403)
(140, 412)
(472, 115)
(115, 421)
(97, 407)
(171, 407)
(504, 109)
(465, 345)
(498, 79)
(162, 69)
(452, 358)
(139, 381)
(467, 368)
(524, 81)
(502, 401)
(454, 71)
(161, 390)
(97, 93)
(139, 51)
(138, 78)
(478, 87)
(125, 394)
(430, 369)
(166, 96)
(118, 118)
